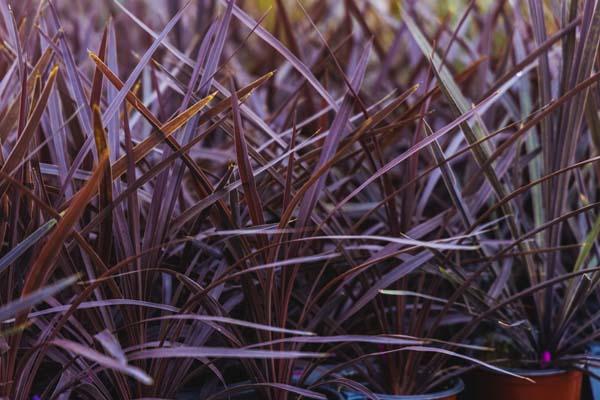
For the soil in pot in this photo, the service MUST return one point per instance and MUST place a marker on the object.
(549, 385)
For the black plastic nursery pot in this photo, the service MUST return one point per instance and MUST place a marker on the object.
(550, 384)
(447, 394)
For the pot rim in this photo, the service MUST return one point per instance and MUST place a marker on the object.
(456, 389)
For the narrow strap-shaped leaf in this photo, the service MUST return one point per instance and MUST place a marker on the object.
(221, 352)
(285, 52)
(215, 54)
(246, 111)
(416, 148)
(25, 244)
(75, 85)
(106, 185)
(244, 166)
(474, 133)
(19, 150)
(200, 60)
(43, 265)
(98, 76)
(128, 85)
(450, 181)
(10, 117)
(336, 133)
(571, 119)
(469, 359)
(227, 320)
(536, 9)
(586, 248)
(385, 281)
(111, 345)
(107, 362)
(575, 290)
(163, 203)
(287, 191)
(13, 308)
(201, 183)
(167, 129)
(113, 124)
(143, 148)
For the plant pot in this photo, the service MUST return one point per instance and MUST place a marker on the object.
(552, 384)
(315, 375)
(448, 394)
(594, 350)
(252, 393)
(193, 393)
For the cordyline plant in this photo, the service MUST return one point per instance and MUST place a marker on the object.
(538, 282)
(218, 199)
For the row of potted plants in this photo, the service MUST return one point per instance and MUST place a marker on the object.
(312, 199)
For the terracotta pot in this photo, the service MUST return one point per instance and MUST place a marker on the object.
(449, 394)
(549, 385)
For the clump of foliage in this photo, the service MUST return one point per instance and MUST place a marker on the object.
(283, 200)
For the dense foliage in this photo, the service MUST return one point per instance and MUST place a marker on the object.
(281, 200)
